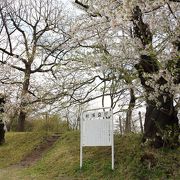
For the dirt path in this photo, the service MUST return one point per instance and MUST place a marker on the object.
(35, 155)
(13, 172)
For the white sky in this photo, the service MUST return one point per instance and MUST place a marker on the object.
(70, 6)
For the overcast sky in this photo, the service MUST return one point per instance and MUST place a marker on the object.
(69, 4)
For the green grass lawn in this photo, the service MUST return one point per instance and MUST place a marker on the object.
(62, 160)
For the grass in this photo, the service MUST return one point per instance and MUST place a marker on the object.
(17, 146)
(62, 161)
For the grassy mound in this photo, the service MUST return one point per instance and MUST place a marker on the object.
(17, 146)
(62, 161)
(131, 161)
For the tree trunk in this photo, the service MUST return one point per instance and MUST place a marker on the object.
(78, 122)
(161, 123)
(24, 101)
(129, 112)
(2, 131)
(21, 120)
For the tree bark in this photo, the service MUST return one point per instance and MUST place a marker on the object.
(161, 123)
(2, 131)
(129, 111)
(24, 101)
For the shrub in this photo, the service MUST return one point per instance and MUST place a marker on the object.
(52, 123)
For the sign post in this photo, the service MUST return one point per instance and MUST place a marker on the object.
(97, 130)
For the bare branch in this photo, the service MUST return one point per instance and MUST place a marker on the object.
(85, 6)
(22, 32)
(171, 10)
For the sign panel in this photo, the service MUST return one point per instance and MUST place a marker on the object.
(97, 129)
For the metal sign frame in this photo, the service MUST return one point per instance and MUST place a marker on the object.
(111, 134)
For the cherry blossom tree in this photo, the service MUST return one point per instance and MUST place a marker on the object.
(150, 32)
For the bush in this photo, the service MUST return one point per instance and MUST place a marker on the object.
(49, 124)
(13, 124)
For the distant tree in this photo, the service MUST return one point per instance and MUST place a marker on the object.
(2, 128)
(34, 38)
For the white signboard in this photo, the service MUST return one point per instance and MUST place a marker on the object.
(97, 129)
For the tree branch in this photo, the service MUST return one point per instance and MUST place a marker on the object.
(178, 1)
(171, 10)
(85, 6)
(7, 32)
(23, 33)
(13, 55)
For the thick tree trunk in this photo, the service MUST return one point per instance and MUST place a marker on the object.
(161, 123)
(24, 103)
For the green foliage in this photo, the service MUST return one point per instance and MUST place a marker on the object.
(52, 123)
(13, 125)
(47, 124)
